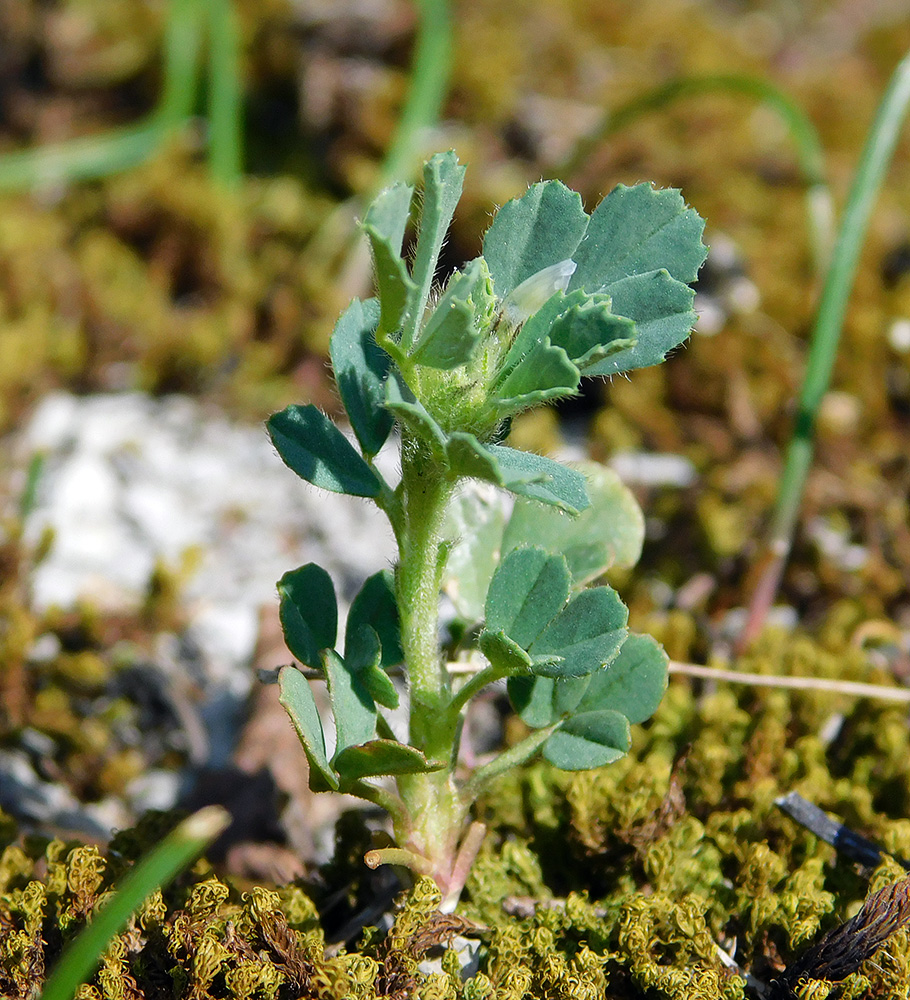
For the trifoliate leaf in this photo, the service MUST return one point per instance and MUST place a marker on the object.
(360, 367)
(313, 447)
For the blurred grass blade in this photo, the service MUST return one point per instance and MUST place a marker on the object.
(429, 83)
(829, 322)
(166, 861)
(118, 149)
(225, 101)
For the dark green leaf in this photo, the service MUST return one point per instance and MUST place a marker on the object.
(360, 368)
(380, 757)
(352, 704)
(635, 230)
(527, 591)
(587, 634)
(442, 182)
(662, 310)
(308, 612)
(316, 450)
(297, 698)
(590, 739)
(540, 229)
(541, 701)
(633, 683)
(455, 326)
(375, 606)
(362, 656)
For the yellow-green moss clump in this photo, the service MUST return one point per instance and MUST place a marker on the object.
(620, 883)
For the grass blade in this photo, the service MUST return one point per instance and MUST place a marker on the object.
(166, 861)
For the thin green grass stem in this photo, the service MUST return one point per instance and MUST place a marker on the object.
(98, 156)
(225, 99)
(429, 84)
(809, 151)
(166, 861)
(829, 321)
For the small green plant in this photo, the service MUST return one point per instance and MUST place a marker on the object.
(557, 295)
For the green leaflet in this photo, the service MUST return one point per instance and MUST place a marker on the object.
(384, 225)
(360, 367)
(442, 182)
(375, 606)
(635, 230)
(587, 740)
(460, 318)
(380, 757)
(352, 704)
(308, 612)
(316, 450)
(540, 229)
(634, 682)
(297, 698)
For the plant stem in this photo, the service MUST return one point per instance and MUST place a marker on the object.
(425, 491)
(467, 690)
(829, 322)
(515, 755)
(809, 152)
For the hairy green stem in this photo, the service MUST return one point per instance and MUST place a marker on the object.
(519, 753)
(471, 687)
(819, 203)
(425, 491)
(829, 322)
